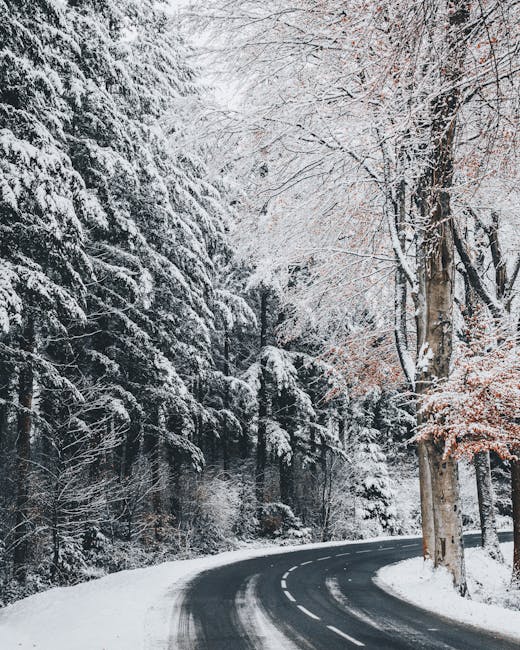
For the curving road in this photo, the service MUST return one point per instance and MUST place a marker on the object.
(320, 599)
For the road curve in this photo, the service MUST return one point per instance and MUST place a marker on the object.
(319, 599)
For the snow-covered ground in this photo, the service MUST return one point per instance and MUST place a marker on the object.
(128, 610)
(135, 610)
(492, 602)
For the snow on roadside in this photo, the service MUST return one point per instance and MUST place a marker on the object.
(488, 582)
(128, 610)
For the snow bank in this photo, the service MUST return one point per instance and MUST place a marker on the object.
(488, 582)
(128, 610)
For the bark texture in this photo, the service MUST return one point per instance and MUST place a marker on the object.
(486, 505)
(287, 482)
(515, 497)
(261, 446)
(436, 257)
(481, 461)
(425, 485)
(23, 450)
(435, 332)
(449, 547)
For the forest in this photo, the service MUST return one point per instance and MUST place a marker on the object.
(259, 270)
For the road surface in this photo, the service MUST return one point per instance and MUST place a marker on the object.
(321, 599)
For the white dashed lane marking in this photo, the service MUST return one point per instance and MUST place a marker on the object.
(310, 614)
(303, 609)
(344, 636)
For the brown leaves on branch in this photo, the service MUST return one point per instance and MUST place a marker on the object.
(366, 360)
(478, 407)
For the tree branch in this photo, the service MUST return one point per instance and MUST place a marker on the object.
(474, 278)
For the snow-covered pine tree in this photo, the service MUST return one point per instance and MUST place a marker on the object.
(299, 413)
(374, 497)
(43, 204)
(163, 228)
(233, 400)
(112, 263)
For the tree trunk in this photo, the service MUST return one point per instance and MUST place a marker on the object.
(176, 486)
(261, 443)
(407, 364)
(481, 461)
(23, 451)
(515, 498)
(55, 534)
(227, 402)
(284, 481)
(425, 488)
(287, 482)
(435, 348)
(437, 275)
(499, 262)
(486, 505)
(6, 390)
(401, 289)
(449, 546)
(326, 496)
(133, 437)
(154, 448)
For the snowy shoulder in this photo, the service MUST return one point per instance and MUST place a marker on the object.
(492, 603)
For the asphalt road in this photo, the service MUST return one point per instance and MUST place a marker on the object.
(321, 599)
